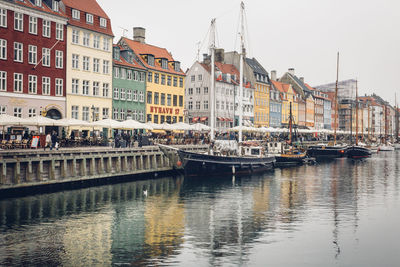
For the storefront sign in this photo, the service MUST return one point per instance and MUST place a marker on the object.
(163, 110)
(35, 142)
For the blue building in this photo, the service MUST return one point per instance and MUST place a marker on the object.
(275, 107)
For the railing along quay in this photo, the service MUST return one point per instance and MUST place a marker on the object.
(33, 168)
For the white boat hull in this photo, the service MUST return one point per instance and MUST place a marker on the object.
(386, 148)
(396, 146)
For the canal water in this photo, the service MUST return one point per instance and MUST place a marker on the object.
(339, 213)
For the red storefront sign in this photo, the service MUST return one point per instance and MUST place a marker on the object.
(163, 110)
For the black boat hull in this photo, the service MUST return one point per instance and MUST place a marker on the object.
(326, 152)
(289, 161)
(202, 164)
(356, 152)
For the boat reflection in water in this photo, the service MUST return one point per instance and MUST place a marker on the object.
(209, 221)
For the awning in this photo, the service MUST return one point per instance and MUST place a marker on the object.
(195, 119)
(203, 118)
(228, 119)
(220, 118)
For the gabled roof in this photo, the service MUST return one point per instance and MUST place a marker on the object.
(256, 66)
(125, 63)
(44, 8)
(91, 7)
(225, 69)
(146, 49)
(281, 87)
(299, 82)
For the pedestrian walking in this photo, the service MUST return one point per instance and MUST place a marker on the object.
(48, 141)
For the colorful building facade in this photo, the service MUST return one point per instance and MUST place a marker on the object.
(165, 80)
(129, 86)
(32, 59)
(89, 61)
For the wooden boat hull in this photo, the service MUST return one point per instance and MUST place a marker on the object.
(287, 160)
(326, 152)
(357, 152)
(202, 164)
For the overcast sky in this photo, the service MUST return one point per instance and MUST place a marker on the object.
(303, 34)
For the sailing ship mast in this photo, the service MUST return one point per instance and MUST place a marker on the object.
(356, 113)
(212, 89)
(336, 98)
(242, 55)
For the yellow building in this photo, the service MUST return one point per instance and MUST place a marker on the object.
(261, 94)
(165, 80)
(89, 61)
(289, 98)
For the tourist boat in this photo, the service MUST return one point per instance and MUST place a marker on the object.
(248, 158)
(323, 151)
(356, 151)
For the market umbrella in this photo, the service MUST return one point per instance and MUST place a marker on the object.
(39, 121)
(200, 127)
(9, 120)
(132, 124)
(72, 122)
(181, 126)
(108, 123)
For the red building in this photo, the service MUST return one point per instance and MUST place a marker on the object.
(32, 58)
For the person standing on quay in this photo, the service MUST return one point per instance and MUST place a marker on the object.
(54, 141)
(48, 141)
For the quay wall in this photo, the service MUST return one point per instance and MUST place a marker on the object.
(23, 169)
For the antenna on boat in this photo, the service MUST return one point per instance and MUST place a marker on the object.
(356, 113)
(212, 89)
(336, 98)
(242, 55)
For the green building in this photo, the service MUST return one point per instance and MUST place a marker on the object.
(129, 86)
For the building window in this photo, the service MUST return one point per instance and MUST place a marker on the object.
(141, 96)
(115, 114)
(32, 54)
(175, 100)
(190, 91)
(169, 100)
(123, 73)
(190, 105)
(129, 94)
(96, 65)
(205, 105)
(45, 85)
(103, 22)
(59, 31)
(18, 21)
(75, 36)
(3, 49)
(149, 97)
(75, 86)
(75, 112)
(3, 110)
(106, 87)
(129, 74)
(18, 56)
(55, 6)
(116, 72)
(169, 80)
(162, 99)
(135, 76)
(89, 18)
(18, 82)
(156, 98)
(150, 60)
(86, 39)
(3, 17)
(156, 78)
(86, 62)
(31, 112)
(96, 41)
(206, 90)
(164, 64)
(150, 77)
(175, 82)
(32, 84)
(18, 112)
(163, 79)
(96, 88)
(85, 87)
(46, 28)
(59, 59)
(116, 93)
(3, 81)
(106, 44)
(85, 113)
(59, 87)
(76, 14)
(32, 25)
(198, 90)
(106, 112)
(135, 95)
(181, 82)
(106, 66)
(75, 61)
(122, 94)
(198, 105)
(46, 57)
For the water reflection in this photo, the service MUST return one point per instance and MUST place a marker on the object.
(209, 221)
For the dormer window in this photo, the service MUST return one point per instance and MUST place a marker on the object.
(89, 18)
(38, 3)
(76, 14)
(150, 60)
(103, 22)
(55, 6)
(177, 66)
(164, 64)
(116, 53)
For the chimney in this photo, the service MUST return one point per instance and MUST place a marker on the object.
(139, 34)
(302, 79)
(273, 75)
(291, 71)
(219, 55)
